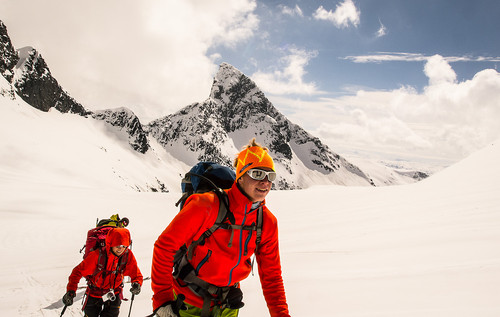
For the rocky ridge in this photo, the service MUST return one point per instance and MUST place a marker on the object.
(31, 79)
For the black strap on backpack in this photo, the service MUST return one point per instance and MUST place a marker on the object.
(102, 263)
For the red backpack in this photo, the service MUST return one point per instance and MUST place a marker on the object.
(96, 237)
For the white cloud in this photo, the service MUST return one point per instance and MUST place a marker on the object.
(297, 11)
(414, 57)
(131, 53)
(345, 13)
(439, 71)
(387, 57)
(289, 79)
(447, 121)
(381, 31)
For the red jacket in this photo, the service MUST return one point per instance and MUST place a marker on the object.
(111, 280)
(215, 261)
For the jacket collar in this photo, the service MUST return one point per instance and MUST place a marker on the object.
(238, 199)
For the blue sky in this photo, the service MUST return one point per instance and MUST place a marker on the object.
(413, 80)
(407, 31)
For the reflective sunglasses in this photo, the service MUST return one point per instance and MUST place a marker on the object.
(258, 174)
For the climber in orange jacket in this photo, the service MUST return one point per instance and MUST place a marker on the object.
(104, 270)
(223, 260)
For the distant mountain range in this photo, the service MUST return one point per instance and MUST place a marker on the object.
(214, 130)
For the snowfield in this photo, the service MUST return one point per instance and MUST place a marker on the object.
(429, 249)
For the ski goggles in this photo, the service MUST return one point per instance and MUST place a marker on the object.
(258, 174)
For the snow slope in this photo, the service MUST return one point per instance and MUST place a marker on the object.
(429, 249)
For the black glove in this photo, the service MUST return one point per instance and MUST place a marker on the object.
(68, 298)
(136, 288)
(234, 298)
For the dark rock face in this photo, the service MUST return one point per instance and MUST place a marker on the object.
(35, 85)
(31, 78)
(126, 120)
(8, 55)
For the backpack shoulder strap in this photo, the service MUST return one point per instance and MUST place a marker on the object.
(221, 217)
(102, 262)
(259, 228)
(122, 262)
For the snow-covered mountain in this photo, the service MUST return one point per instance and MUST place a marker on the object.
(32, 80)
(84, 152)
(27, 71)
(238, 110)
(215, 129)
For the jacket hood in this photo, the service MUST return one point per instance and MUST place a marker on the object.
(118, 236)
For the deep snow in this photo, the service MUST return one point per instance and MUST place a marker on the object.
(429, 249)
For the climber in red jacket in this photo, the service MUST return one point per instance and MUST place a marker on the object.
(209, 280)
(104, 270)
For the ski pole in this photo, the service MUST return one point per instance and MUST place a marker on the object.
(64, 309)
(131, 302)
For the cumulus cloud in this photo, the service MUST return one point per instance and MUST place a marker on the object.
(289, 78)
(345, 13)
(439, 71)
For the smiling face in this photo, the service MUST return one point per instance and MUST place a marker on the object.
(254, 189)
(118, 250)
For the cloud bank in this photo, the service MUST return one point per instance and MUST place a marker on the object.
(445, 122)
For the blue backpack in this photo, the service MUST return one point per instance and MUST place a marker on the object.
(204, 177)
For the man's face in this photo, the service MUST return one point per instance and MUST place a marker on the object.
(255, 190)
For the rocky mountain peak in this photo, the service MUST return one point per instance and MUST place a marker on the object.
(238, 110)
(234, 90)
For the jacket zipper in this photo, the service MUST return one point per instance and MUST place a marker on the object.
(248, 240)
(239, 251)
(205, 259)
